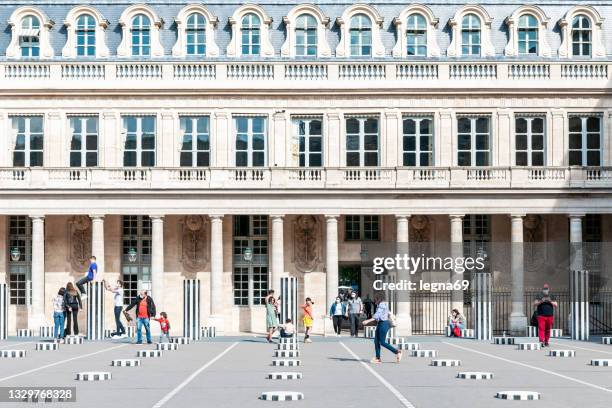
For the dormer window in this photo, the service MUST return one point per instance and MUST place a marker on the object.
(470, 35)
(141, 36)
(361, 36)
(306, 28)
(140, 29)
(528, 35)
(251, 34)
(86, 36)
(29, 37)
(416, 35)
(196, 34)
(306, 36)
(360, 26)
(527, 31)
(581, 36)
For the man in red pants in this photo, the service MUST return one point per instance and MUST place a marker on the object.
(545, 311)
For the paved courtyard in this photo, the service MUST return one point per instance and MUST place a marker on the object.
(231, 372)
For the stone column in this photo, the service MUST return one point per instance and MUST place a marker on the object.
(97, 243)
(576, 241)
(518, 319)
(157, 260)
(456, 250)
(402, 311)
(37, 317)
(331, 264)
(216, 272)
(278, 261)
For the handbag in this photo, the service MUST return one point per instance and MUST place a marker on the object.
(457, 331)
(392, 320)
(534, 319)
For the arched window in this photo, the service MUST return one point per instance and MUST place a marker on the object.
(416, 35)
(86, 36)
(196, 34)
(141, 36)
(528, 35)
(251, 34)
(361, 36)
(305, 36)
(29, 39)
(470, 35)
(581, 36)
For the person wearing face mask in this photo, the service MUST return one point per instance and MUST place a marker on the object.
(336, 312)
(545, 305)
(355, 308)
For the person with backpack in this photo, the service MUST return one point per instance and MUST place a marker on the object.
(145, 310)
(384, 321)
(545, 305)
(73, 303)
(59, 308)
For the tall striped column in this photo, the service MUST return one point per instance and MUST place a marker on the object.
(288, 300)
(579, 304)
(482, 305)
(3, 311)
(191, 309)
(95, 311)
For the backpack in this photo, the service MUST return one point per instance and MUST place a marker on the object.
(71, 301)
(534, 319)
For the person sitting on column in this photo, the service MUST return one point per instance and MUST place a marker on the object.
(287, 329)
(336, 312)
(545, 307)
(164, 324)
(72, 300)
(145, 309)
(92, 271)
(308, 319)
(456, 322)
(118, 301)
(354, 310)
(59, 309)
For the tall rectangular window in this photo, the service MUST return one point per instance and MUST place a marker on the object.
(86, 36)
(417, 141)
(28, 148)
(585, 140)
(310, 139)
(362, 147)
(361, 228)
(139, 146)
(250, 259)
(136, 254)
(473, 141)
(476, 238)
(19, 258)
(529, 141)
(84, 141)
(195, 144)
(251, 141)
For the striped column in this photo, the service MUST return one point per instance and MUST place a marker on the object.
(191, 309)
(95, 311)
(481, 303)
(289, 300)
(3, 311)
(579, 304)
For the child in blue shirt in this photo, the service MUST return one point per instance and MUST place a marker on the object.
(92, 271)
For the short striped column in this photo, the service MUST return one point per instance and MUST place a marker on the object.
(191, 309)
(3, 311)
(481, 286)
(209, 331)
(369, 332)
(579, 304)
(45, 331)
(532, 331)
(95, 311)
(289, 300)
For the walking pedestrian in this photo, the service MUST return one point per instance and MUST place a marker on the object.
(271, 315)
(308, 319)
(73, 303)
(368, 305)
(164, 324)
(92, 271)
(545, 308)
(383, 318)
(118, 308)
(336, 312)
(145, 309)
(59, 308)
(354, 310)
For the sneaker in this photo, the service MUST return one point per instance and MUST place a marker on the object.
(307, 341)
(149, 342)
(138, 342)
(546, 345)
(115, 337)
(375, 360)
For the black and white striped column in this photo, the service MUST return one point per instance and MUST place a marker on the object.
(579, 304)
(481, 302)
(95, 311)
(191, 309)
(3, 311)
(288, 300)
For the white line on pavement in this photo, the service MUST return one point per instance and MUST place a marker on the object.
(581, 348)
(588, 384)
(182, 385)
(380, 378)
(33, 370)
(16, 344)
